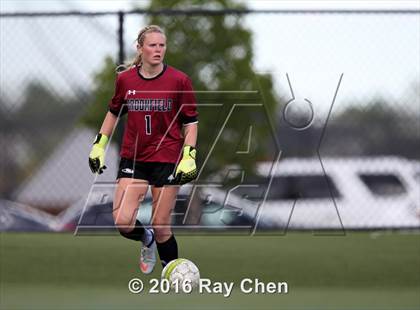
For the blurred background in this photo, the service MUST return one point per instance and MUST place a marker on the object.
(309, 121)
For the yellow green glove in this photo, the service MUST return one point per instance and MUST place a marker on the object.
(186, 171)
(97, 154)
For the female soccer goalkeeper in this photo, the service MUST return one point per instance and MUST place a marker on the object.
(157, 148)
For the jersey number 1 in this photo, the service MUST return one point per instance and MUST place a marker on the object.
(148, 119)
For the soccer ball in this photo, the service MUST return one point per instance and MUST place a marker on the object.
(182, 274)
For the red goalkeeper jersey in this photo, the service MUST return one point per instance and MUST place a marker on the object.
(157, 109)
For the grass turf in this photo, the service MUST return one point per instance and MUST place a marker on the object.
(356, 271)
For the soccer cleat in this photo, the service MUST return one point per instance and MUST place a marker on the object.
(148, 256)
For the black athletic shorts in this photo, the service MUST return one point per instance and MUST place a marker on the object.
(157, 174)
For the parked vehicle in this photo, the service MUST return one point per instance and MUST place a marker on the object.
(335, 193)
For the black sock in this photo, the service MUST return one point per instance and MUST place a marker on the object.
(167, 250)
(136, 234)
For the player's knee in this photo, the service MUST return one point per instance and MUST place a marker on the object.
(124, 229)
(162, 230)
(123, 225)
(161, 222)
(162, 234)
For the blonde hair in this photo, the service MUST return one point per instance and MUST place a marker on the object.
(137, 61)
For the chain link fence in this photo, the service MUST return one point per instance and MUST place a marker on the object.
(342, 151)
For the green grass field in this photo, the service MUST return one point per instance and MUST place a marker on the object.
(357, 271)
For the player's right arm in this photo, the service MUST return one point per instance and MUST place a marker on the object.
(97, 154)
(108, 124)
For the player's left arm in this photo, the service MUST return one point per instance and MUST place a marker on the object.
(186, 171)
(190, 132)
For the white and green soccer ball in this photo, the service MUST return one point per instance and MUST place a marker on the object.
(182, 274)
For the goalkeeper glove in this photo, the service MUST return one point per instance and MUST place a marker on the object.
(186, 171)
(97, 154)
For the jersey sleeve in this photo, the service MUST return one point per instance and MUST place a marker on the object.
(188, 104)
(118, 99)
